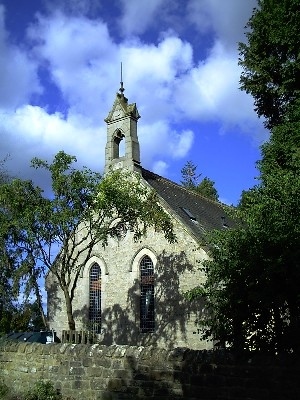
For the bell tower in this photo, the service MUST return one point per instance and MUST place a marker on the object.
(122, 127)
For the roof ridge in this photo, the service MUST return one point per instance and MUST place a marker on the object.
(218, 203)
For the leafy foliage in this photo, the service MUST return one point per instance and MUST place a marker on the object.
(4, 175)
(270, 58)
(190, 177)
(10, 311)
(43, 390)
(252, 278)
(252, 287)
(58, 234)
(7, 296)
(20, 205)
(207, 188)
(3, 390)
(190, 180)
(18, 317)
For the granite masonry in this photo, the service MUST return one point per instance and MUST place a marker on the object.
(97, 372)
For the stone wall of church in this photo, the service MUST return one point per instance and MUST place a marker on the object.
(177, 269)
(124, 372)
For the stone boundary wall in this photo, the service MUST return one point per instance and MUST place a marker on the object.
(94, 372)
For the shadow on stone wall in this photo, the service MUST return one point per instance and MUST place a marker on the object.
(122, 325)
(192, 374)
(142, 379)
(52, 298)
(134, 372)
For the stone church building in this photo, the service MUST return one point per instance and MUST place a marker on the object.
(132, 292)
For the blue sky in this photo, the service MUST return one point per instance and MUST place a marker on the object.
(60, 71)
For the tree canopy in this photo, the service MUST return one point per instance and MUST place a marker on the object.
(270, 59)
(191, 181)
(252, 277)
(7, 294)
(58, 234)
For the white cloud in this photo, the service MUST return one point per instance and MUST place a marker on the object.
(223, 19)
(212, 90)
(137, 15)
(83, 59)
(150, 81)
(166, 80)
(162, 62)
(18, 73)
(156, 69)
(226, 19)
(160, 140)
(84, 63)
(162, 78)
(182, 142)
(74, 7)
(31, 132)
(160, 167)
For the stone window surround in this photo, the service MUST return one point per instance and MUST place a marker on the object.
(147, 295)
(85, 276)
(95, 298)
(134, 270)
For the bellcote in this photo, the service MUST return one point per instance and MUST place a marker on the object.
(122, 130)
(121, 109)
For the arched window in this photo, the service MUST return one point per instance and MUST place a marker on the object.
(95, 299)
(147, 295)
(118, 144)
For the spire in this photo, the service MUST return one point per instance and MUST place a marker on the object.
(122, 87)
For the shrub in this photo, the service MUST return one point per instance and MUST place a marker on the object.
(3, 390)
(43, 390)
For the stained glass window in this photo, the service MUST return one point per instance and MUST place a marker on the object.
(147, 295)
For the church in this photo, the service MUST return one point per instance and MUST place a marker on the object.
(132, 292)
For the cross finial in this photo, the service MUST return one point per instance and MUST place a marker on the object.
(122, 87)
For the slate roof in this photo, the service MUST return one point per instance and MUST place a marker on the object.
(198, 212)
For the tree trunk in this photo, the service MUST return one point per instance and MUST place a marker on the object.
(69, 308)
(40, 304)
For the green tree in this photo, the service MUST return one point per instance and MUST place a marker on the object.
(252, 278)
(272, 212)
(17, 282)
(6, 293)
(58, 234)
(8, 296)
(19, 317)
(190, 177)
(190, 180)
(270, 59)
(21, 204)
(207, 188)
(253, 274)
(4, 175)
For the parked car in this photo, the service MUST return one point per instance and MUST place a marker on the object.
(44, 337)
